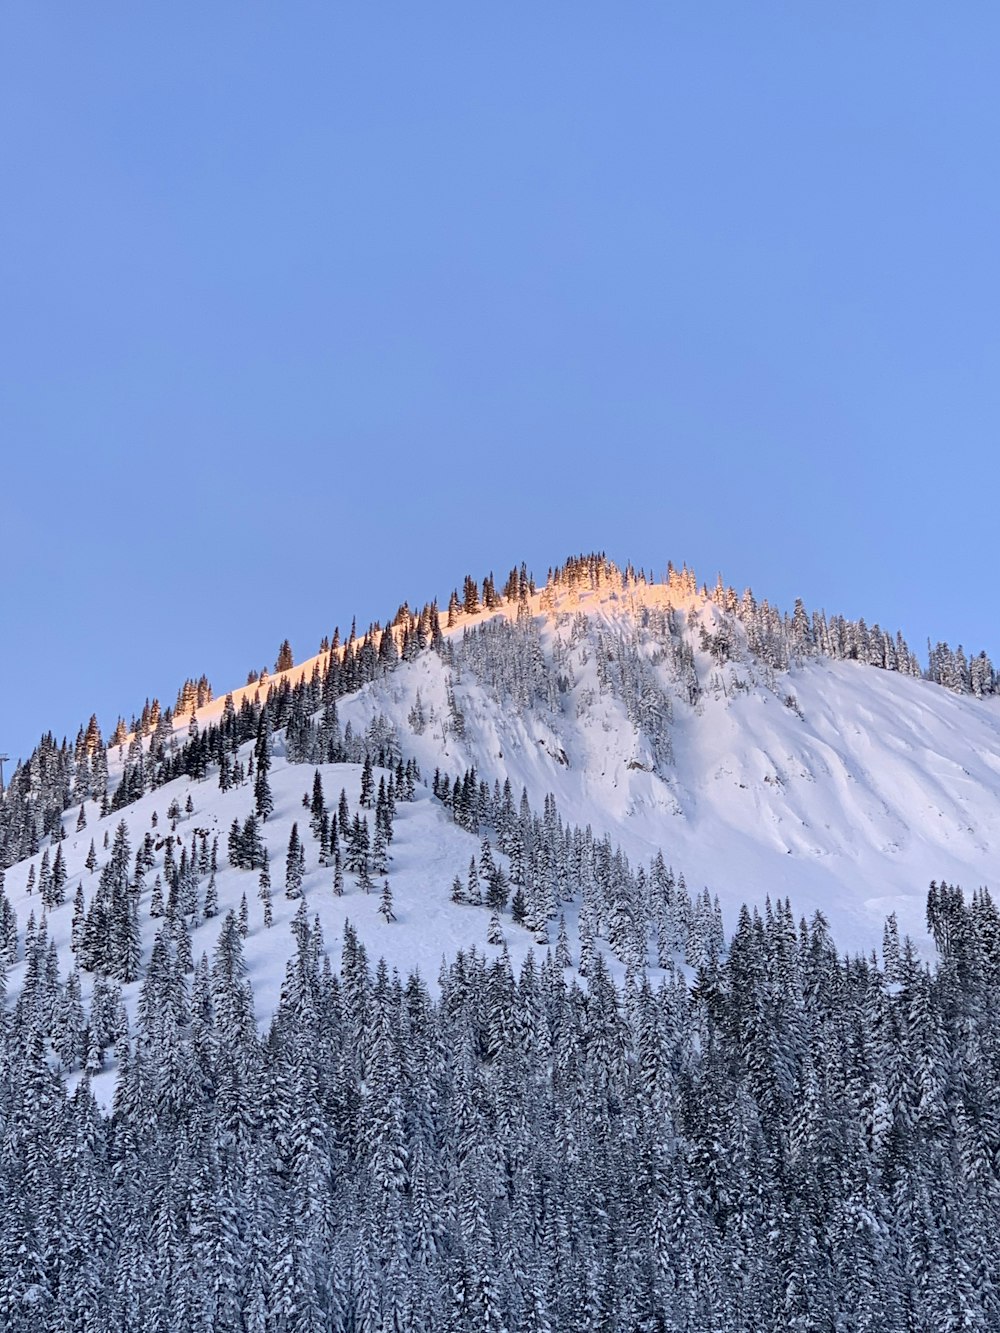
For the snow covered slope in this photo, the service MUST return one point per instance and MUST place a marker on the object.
(843, 787)
(641, 709)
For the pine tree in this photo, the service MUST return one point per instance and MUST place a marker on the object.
(264, 890)
(518, 907)
(379, 856)
(211, 898)
(317, 805)
(59, 877)
(385, 902)
(563, 956)
(367, 783)
(45, 879)
(295, 864)
(497, 890)
(263, 799)
(79, 915)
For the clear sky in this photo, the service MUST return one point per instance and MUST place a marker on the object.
(306, 309)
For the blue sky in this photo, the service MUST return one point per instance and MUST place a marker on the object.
(305, 309)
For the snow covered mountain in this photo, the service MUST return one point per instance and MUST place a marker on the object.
(631, 761)
(416, 988)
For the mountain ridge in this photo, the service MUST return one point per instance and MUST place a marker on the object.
(643, 759)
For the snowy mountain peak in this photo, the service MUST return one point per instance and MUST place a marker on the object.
(603, 765)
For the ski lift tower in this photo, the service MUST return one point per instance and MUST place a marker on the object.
(4, 758)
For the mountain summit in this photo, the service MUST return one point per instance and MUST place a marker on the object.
(514, 968)
(630, 761)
